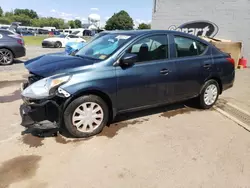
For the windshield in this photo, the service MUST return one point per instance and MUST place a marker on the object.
(103, 46)
(75, 32)
(62, 36)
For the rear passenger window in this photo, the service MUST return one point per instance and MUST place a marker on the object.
(72, 36)
(188, 47)
(5, 32)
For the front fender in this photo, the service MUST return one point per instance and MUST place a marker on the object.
(103, 81)
(107, 96)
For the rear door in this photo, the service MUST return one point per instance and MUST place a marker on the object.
(193, 62)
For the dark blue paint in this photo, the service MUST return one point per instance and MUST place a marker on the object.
(142, 84)
(48, 65)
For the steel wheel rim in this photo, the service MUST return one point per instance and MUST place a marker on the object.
(88, 117)
(5, 57)
(210, 94)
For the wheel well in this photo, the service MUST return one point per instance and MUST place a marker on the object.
(9, 50)
(218, 81)
(100, 94)
(59, 42)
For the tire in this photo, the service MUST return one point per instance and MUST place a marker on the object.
(58, 44)
(6, 57)
(70, 113)
(210, 89)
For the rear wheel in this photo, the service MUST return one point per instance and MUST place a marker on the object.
(209, 94)
(6, 57)
(58, 44)
(86, 116)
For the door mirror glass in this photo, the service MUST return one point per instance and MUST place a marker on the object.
(128, 59)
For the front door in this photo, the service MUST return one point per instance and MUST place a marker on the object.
(150, 80)
(191, 56)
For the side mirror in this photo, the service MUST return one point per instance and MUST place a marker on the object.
(128, 59)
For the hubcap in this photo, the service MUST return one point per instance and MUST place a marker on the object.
(210, 94)
(5, 56)
(88, 117)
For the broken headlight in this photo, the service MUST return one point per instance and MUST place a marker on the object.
(45, 87)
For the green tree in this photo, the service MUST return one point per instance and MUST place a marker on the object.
(1, 11)
(144, 26)
(28, 12)
(4, 20)
(58, 23)
(78, 23)
(65, 26)
(72, 24)
(24, 19)
(50, 22)
(120, 21)
(8, 14)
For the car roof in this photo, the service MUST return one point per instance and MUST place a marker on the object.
(150, 31)
(7, 30)
(140, 32)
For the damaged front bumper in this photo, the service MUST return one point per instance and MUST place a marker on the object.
(43, 114)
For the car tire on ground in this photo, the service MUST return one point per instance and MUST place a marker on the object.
(209, 94)
(58, 44)
(86, 116)
(6, 57)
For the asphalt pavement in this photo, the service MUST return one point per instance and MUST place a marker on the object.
(172, 146)
(31, 52)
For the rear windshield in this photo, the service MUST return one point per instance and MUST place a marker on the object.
(75, 32)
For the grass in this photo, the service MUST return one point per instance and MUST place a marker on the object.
(37, 40)
(34, 40)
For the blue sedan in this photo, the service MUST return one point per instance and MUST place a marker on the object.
(123, 71)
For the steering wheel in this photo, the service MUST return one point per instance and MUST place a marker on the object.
(101, 56)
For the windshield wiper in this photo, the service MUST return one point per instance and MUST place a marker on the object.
(78, 56)
(87, 57)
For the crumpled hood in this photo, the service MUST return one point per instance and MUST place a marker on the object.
(48, 65)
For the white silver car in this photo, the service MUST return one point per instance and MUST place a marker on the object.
(61, 41)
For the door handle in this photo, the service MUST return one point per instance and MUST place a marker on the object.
(164, 71)
(207, 65)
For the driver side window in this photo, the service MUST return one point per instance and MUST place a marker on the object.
(150, 48)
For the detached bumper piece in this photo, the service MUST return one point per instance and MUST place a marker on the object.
(44, 115)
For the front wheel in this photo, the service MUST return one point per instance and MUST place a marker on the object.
(209, 94)
(86, 116)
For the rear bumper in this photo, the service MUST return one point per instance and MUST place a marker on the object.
(227, 86)
(19, 51)
(228, 81)
(47, 44)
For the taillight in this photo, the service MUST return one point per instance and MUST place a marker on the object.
(20, 41)
(231, 60)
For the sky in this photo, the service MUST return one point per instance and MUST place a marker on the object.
(139, 10)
